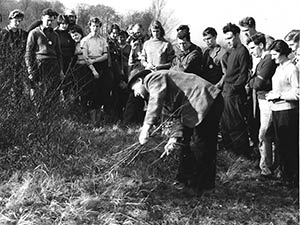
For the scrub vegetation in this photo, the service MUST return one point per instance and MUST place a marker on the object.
(56, 169)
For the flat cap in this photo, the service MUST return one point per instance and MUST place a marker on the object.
(16, 14)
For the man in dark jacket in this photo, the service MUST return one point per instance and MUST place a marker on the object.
(12, 49)
(188, 55)
(195, 106)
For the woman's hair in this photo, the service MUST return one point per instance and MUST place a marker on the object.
(210, 31)
(155, 24)
(281, 47)
(76, 29)
(95, 20)
(293, 35)
(114, 27)
(63, 19)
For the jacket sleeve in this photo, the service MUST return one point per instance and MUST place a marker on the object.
(157, 88)
(144, 59)
(30, 52)
(264, 75)
(245, 65)
(194, 63)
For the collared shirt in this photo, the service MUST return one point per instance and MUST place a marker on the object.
(189, 61)
(212, 67)
(93, 46)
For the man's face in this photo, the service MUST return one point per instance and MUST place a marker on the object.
(94, 27)
(137, 31)
(72, 19)
(47, 21)
(139, 89)
(293, 45)
(114, 34)
(255, 50)
(231, 39)
(210, 40)
(183, 44)
(247, 31)
(15, 23)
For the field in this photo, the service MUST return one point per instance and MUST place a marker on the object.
(83, 175)
(56, 169)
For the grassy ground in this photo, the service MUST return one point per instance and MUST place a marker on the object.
(109, 178)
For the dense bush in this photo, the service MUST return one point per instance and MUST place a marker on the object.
(32, 131)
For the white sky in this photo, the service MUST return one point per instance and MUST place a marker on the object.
(273, 17)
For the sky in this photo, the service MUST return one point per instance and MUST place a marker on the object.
(273, 17)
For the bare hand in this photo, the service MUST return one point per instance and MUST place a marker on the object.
(150, 66)
(144, 135)
(172, 145)
(271, 96)
(96, 74)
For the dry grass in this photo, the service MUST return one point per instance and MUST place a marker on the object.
(116, 181)
(59, 170)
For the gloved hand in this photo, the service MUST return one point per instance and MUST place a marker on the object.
(173, 144)
(144, 135)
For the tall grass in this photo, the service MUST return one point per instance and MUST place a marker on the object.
(58, 170)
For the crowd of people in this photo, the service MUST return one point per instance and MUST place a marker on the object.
(246, 91)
